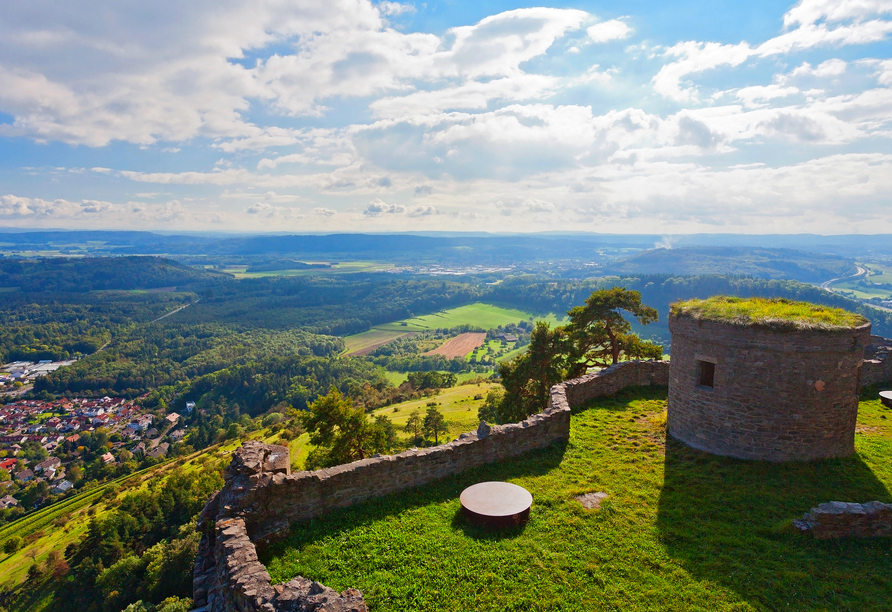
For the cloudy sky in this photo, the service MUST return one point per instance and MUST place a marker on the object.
(348, 115)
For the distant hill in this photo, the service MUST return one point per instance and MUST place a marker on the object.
(748, 261)
(99, 273)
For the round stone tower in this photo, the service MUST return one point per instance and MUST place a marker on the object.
(774, 380)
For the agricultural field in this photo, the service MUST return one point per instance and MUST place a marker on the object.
(346, 267)
(459, 346)
(366, 342)
(458, 404)
(680, 529)
(486, 316)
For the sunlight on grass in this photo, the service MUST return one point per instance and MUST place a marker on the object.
(773, 312)
(681, 530)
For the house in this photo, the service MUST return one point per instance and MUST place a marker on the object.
(178, 435)
(8, 464)
(159, 451)
(51, 462)
(190, 406)
(108, 458)
(172, 418)
(507, 337)
(143, 422)
(73, 438)
(61, 487)
(8, 502)
(24, 475)
(139, 449)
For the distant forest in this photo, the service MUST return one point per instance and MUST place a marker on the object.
(270, 340)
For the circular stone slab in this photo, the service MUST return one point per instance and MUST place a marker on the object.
(496, 504)
(886, 398)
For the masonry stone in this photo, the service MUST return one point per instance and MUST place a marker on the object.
(768, 394)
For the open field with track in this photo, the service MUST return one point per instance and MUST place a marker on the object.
(681, 530)
(459, 346)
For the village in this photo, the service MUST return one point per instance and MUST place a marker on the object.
(48, 448)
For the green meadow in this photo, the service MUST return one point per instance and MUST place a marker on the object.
(486, 316)
(681, 529)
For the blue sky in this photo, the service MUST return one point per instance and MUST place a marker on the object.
(349, 115)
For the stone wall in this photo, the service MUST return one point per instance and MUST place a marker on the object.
(877, 367)
(776, 395)
(261, 499)
(843, 519)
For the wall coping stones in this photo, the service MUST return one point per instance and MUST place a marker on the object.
(261, 498)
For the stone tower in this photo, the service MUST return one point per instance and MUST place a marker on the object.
(765, 379)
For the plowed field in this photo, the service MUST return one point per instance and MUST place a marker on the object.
(460, 345)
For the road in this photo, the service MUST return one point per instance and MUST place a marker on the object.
(164, 316)
(826, 284)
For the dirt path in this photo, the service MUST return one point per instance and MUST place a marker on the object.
(460, 345)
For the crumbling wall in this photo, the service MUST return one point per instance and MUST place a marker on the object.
(261, 498)
(845, 519)
(877, 366)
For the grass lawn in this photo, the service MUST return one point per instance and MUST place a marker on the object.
(681, 530)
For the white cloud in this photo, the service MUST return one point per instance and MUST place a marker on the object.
(818, 23)
(325, 212)
(392, 9)
(831, 67)
(422, 211)
(270, 211)
(751, 96)
(609, 30)
(378, 207)
(534, 205)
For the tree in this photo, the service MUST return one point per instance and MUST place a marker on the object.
(596, 336)
(343, 433)
(599, 335)
(528, 378)
(12, 545)
(434, 423)
(414, 425)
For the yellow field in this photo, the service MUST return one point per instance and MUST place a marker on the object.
(366, 342)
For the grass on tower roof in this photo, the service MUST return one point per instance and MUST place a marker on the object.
(775, 313)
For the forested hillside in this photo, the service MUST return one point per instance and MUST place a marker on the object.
(660, 290)
(61, 274)
(750, 261)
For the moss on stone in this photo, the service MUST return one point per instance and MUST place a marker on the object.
(774, 313)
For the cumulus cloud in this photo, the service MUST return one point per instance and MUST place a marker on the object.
(812, 23)
(422, 211)
(379, 207)
(831, 67)
(269, 211)
(423, 190)
(609, 30)
(325, 212)
(534, 205)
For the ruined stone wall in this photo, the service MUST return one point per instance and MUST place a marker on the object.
(845, 519)
(261, 498)
(877, 367)
(777, 395)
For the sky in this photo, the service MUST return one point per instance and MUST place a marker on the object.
(348, 115)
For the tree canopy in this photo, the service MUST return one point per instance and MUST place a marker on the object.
(341, 432)
(597, 336)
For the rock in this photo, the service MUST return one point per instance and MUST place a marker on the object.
(483, 430)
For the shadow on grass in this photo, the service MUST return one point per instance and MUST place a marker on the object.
(728, 522)
(484, 534)
(536, 463)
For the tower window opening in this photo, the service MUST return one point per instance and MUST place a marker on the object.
(706, 371)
